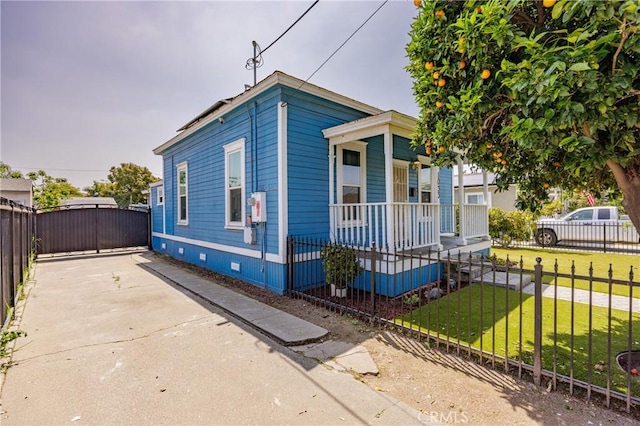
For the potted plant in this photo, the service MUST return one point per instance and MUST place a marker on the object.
(341, 267)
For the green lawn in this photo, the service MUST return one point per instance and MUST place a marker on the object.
(471, 324)
(620, 264)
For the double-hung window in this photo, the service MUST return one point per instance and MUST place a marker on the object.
(352, 178)
(160, 196)
(183, 194)
(234, 184)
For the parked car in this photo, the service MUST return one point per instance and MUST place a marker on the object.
(593, 224)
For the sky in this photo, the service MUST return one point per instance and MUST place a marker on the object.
(87, 85)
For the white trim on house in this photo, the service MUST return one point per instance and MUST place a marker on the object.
(179, 167)
(274, 79)
(401, 125)
(275, 258)
(229, 149)
(283, 188)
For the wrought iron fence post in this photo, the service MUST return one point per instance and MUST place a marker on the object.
(289, 265)
(373, 282)
(604, 237)
(537, 332)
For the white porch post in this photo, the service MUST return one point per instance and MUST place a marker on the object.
(332, 219)
(388, 179)
(462, 217)
(485, 195)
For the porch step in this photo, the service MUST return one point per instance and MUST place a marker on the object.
(499, 279)
(470, 272)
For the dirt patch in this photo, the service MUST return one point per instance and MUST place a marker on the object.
(444, 387)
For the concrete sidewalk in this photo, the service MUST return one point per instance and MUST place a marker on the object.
(111, 343)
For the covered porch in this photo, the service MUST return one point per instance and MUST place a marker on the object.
(384, 192)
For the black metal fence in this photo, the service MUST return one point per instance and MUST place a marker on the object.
(17, 231)
(556, 327)
(620, 237)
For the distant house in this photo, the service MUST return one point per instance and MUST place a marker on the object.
(286, 158)
(474, 190)
(18, 190)
(77, 202)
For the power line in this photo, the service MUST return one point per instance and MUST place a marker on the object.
(60, 170)
(338, 49)
(291, 26)
(256, 61)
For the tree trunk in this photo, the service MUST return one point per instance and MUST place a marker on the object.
(629, 183)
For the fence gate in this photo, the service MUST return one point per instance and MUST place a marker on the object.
(91, 228)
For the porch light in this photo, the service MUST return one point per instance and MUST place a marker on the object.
(416, 164)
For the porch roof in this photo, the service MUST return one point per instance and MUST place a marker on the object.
(393, 121)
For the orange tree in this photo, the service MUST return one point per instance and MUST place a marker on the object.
(542, 93)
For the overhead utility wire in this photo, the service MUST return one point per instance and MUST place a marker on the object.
(290, 26)
(256, 61)
(339, 47)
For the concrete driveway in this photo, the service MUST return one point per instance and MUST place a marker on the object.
(111, 343)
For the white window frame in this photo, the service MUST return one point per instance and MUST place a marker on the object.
(231, 148)
(404, 165)
(424, 161)
(360, 147)
(179, 168)
(160, 196)
(474, 194)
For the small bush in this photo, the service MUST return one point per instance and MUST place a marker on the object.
(507, 228)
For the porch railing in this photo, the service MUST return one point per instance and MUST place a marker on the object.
(404, 225)
(394, 225)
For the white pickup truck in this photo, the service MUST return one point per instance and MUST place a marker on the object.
(593, 224)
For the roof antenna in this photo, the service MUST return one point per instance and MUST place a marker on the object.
(255, 62)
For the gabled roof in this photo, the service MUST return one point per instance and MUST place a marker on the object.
(218, 109)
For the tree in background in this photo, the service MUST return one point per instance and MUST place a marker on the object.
(49, 190)
(129, 181)
(99, 189)
(7, 172)
(542, 93)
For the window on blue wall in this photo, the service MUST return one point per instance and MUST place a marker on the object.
(183, 194)
(351, 179)
(160, 196)
(234, 188)
(425, 184)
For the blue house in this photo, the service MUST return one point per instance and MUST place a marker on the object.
(288, 158)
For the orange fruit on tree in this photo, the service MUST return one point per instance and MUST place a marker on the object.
(441, 149)
(416, 3)
(557, 163)
(428, 150)
(439, 104)
(462, 65)
(504, 162)
(440, 13)
(548, 3)
(545, 185)
(479, 9)
(442, 82)
(485, 74)
(489, 145)
(436, 75)
(634, 371)
(428, 66)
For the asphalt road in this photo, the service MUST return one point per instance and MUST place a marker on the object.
(108, 342)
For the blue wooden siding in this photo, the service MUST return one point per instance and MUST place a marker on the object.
(204, 153)
(308, 161)
(309, 274)
(447, 223)
(268, 275)
(157, 210)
